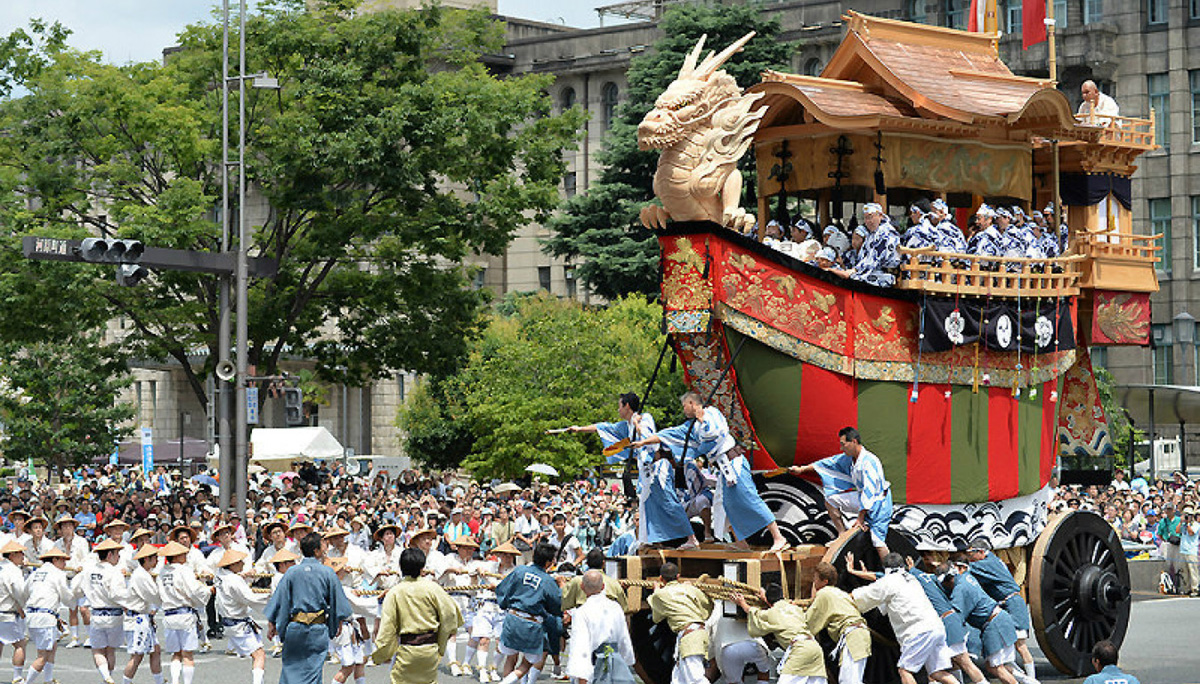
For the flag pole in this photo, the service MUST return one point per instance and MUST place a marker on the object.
(1054, 143)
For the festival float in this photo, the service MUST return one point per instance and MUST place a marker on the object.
(967, 379)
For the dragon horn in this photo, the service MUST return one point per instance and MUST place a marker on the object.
(712, 63)
(689, 63)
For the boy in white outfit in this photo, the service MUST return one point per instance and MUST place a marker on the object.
(183, 597)
(48, 592)
(140, 601)
(104, 584)
(235, 600)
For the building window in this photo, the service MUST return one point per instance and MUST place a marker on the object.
(1156, 11)
(1158, 88)
(1194, 82)
(955, 12)
(479, 276)
(544, 278)
(1160, 223)
(1161, 343)
(916, 10)
(813, 67)
(1194, 9)
(569, 275)
(569, 184)
(1060, 14)
(608, 100)
(1099, 356)
(1196, 232)
(1093, 11)
(567, 98)
(1012, 16)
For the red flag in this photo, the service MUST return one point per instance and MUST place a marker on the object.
(983, 17)
(1033, 22)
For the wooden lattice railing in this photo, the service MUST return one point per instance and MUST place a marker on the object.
(1123, 246)
(1122, 130)
(946, 273)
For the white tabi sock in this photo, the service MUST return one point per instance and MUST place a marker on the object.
(18, 672)
(510, 678)
(158, 677)
(1030, 671)
(481, 658)
(102, 669)
(470, 654)
(75, 631)
(126, 680)
(176, 668)
(533, 675)
(256, 675)
(189, 671)
(360, 680)
(33, 676)
(48, 671)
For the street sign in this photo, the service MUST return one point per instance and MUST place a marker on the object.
(252, 406)
(147, 450)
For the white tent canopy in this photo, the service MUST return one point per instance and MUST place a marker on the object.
(275, 449)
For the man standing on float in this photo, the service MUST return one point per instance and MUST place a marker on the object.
(738, 505)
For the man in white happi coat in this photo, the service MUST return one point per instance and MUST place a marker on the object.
(79, 554)
(48, 592)
(140, 600)
(599, 635)
(103, 584)
(488, 619)
(276, 533)
(918, 628)
(338, 540)
(35, 540)
(183, 597)
(235, 601)
(12, 605)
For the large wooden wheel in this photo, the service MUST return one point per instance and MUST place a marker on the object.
(1078, 590)
(885, 650)
(654, 646)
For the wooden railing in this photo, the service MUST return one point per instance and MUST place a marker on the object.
(1123, 246)
(1122, 130)
(945, 273)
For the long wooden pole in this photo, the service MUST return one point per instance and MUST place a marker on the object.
(1054, 143)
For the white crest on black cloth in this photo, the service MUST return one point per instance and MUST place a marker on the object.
(955, 324)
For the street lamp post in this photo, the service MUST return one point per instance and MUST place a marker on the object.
(1185, 334)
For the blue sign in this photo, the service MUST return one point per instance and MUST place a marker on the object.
(112, 458)
(147, 450)
(252, 406)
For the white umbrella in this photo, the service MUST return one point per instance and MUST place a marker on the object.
(506, 487)
(542, 469)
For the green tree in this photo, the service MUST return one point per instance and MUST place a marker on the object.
(600, 228)
(551, 363)
(59, 402)
(387, 156)
(1121, 431)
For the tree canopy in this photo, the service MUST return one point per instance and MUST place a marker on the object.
(600, 228)
(542, 363)
(387, 156)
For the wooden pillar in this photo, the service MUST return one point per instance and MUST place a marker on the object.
(823, 211)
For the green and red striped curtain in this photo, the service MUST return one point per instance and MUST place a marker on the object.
(967, 447)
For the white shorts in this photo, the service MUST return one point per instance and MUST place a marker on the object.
(925, 651)
(106, 637)
(487, 624)
(958, 649)
(176, 640)
(349, 654)
(244, 640)
(698, 504)
(734, 658)
(12, 632)
(851, 671)
(531, 657)
(1004, 656)
(689, 670)
(43, 638)
(1022, 634)
(139, 635)
(799, 679)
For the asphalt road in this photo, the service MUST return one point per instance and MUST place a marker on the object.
(1162, 647)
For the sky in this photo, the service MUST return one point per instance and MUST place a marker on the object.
(138, 30)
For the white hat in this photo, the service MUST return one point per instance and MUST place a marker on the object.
(939, 204)
(985, 210)
(872, 208)
(827, 253)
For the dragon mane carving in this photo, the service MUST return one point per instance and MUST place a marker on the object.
(703, 124)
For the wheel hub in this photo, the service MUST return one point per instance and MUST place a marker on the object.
(1098, 592)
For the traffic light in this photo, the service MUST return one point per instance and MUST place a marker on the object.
(293, 406)
(125, 253)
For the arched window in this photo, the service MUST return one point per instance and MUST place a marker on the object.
(813, 67)
(567, 98)
(608, 101)
(916, 11)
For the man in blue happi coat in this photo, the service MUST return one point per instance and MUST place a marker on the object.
(532, 603)
(998, 582)
(997, 632)
(738, 504)
(854, 484)
(306, 610)
(660, 514)
(879, 257)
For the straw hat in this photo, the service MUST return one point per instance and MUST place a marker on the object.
(466, 541)
(223, 527)
(20, 512)
(115, 524)
(507, 547)
(52, 554)
(146, 551)
(421, 533)
(108, 545)
(11, 547)
(338, 564)
(174, 535)
(230, 557)
(64, 519)
(387, 526)
(284, 556)
(300, 525)
(272, 525)
(38, 518)
(173, 549)
(139, 533)
(335, 531)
